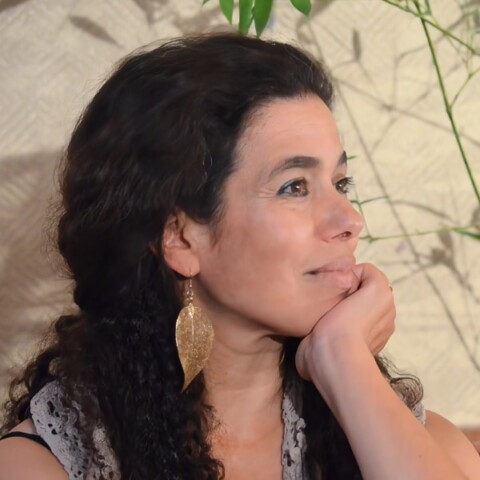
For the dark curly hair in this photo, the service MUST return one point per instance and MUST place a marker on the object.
(159, 136)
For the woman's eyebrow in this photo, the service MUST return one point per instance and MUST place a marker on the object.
(302, 161)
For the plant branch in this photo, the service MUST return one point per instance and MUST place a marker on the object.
(435, 25)
(448, 106)
(461, 230)
(465, 83)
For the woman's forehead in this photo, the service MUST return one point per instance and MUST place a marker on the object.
(284, 128)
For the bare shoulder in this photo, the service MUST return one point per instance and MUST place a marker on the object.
(24, 459)
(455, 443)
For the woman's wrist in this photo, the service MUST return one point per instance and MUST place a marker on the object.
(337, 366)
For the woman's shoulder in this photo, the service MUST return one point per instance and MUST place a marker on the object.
(454, 442)
(23, 458)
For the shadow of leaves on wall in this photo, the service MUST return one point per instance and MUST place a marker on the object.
(31, 285)
(92, 28)
(151, 8)
(441, 264)
(6, 4)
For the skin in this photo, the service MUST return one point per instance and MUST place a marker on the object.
(253, 279)
(41, 464)
(281, 264)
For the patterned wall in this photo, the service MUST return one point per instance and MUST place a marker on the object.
(55, 53)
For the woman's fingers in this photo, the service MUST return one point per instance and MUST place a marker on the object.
(366, 315)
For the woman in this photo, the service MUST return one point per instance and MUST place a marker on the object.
(205, 189)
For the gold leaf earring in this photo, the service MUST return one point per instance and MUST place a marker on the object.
(194, 338)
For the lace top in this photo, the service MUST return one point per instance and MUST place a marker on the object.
(55, 424)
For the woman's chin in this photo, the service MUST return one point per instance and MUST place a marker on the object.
(335, 300)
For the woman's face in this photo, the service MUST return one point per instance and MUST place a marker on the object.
(283, 252)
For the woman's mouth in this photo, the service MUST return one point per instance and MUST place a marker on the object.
(337, 274)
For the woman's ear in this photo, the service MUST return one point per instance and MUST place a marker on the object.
(178, 245)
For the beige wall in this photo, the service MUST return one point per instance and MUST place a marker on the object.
(55, 53)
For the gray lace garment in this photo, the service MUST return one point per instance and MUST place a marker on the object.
(56, 425)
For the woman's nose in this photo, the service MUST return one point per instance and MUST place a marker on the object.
(342, 221)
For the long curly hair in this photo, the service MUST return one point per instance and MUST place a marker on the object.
(159, 136)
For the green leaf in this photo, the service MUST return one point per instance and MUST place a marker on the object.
(261, 14)
(473, 235)
(204, 2)
(303, 6)
(246, 16)
(227, 9)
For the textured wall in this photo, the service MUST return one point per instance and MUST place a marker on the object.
(55, 53)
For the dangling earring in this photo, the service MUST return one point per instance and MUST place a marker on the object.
(194, 338)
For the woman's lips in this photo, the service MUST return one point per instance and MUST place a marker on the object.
(337, 274)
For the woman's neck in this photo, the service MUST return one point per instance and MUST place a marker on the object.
(244, 386)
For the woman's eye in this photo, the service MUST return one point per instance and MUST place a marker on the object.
(295, 188)
(343, 185)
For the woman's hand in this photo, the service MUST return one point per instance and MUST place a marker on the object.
(366, 317)
(337, 356)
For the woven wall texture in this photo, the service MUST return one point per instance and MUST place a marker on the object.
(54, 55)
